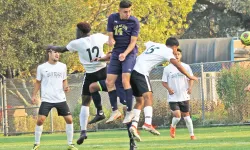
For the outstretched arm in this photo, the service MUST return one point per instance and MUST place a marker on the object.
(60, 49)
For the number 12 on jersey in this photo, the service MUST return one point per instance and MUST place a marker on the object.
(92, 51)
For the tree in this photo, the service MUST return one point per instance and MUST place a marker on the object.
(218, 18)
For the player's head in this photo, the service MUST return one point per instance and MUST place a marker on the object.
(52, 55)
(125, 9)
(178, 54)
(173, 43)
(82, 29)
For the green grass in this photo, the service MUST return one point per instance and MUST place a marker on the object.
(214, 138)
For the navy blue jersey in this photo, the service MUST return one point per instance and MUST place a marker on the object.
(122, 31)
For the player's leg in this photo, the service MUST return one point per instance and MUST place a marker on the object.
(63, 110)
(93, 89)
(175, 108)
(114, 70)
(189, 123)
(127, 67)
(42, 114)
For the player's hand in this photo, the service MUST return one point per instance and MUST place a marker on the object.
(122, 57)
(66, 89)
(170, 91)
(247, 89)
(34, 100)
(193, 78)
(95, 59)
(189, 90)
(111, 42)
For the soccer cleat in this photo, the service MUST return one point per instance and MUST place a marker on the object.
(132, 145)
(114, 115)
(128, 118)
(192, 137)
(134, 133)
(35, 147)
(172, 131)
(97, 118)
(72, 147)
(150, 128)
(82, 137)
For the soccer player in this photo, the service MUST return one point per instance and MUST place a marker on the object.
(179, 89)
(154, 55)
(89, 47)
(51, 78)
(123, 30)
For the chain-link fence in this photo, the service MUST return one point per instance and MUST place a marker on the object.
(217, 98)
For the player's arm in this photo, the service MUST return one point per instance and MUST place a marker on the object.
(60, 49)
(131, 45)
(111, 40)
(66, 85)
(110, 28)
(170, 91)
(182, 69)
(190, 86)
(35, 90)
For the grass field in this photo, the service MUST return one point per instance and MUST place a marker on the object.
(214, 138)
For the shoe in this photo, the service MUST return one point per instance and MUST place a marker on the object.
(35, 147)
(97, 118)
(114, 115)
(132, 145)
(72, 147)
(82, 137)
(128, 118)
(134, 133)
(150, 128)
(192, 137)
(172, 131)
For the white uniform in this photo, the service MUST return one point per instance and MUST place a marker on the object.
(155, 54)
(89, 48)
(177, 81)
(51, 77)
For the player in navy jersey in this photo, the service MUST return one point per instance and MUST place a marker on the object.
(123, 30)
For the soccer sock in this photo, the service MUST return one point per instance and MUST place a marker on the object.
(128, 126)
(113, 100)
(84, 115)
(148, 112)
(175, 121)
(129, 99)
(69, 132)
(136, 118)
(38, 133)
(97, 101)
(189, 124)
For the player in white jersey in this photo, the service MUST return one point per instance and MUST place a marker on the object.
(179, 89)
(89, 47)
(154, 55)
(51, 78)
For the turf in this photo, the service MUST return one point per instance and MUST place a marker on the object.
(214, 138)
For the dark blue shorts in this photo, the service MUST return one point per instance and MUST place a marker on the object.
(117, 67)
(119, 89)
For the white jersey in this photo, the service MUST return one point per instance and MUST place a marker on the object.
(51, 77)
(177, 81)
(154, 55)
(89, 48)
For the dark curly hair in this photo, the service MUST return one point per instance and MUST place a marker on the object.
(84, 27)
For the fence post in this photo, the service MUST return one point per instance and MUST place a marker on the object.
(1, 98)
(5, 115)
(51, 122)
(202, 94)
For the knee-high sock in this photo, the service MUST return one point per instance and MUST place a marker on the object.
(129, 99)
(175, 121)
(97, 101)
(148, 112)
(70, 133)
(84, 115)
(38, 133)
(136, 118)
(128, 126)
(189, 124)
(113, 100)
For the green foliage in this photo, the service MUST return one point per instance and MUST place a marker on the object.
(230, 88)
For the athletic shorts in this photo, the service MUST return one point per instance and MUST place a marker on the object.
(62, 108)
(118, 67)
(182, 106)
(140, 84)
(119, 89)
(93, 77)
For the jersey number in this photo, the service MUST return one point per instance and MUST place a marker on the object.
(95, 48)
(151, 49)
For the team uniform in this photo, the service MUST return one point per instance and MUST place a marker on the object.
(52, 93)
(89, 48)
(178, 82)
(154, 55)
(122, 32)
